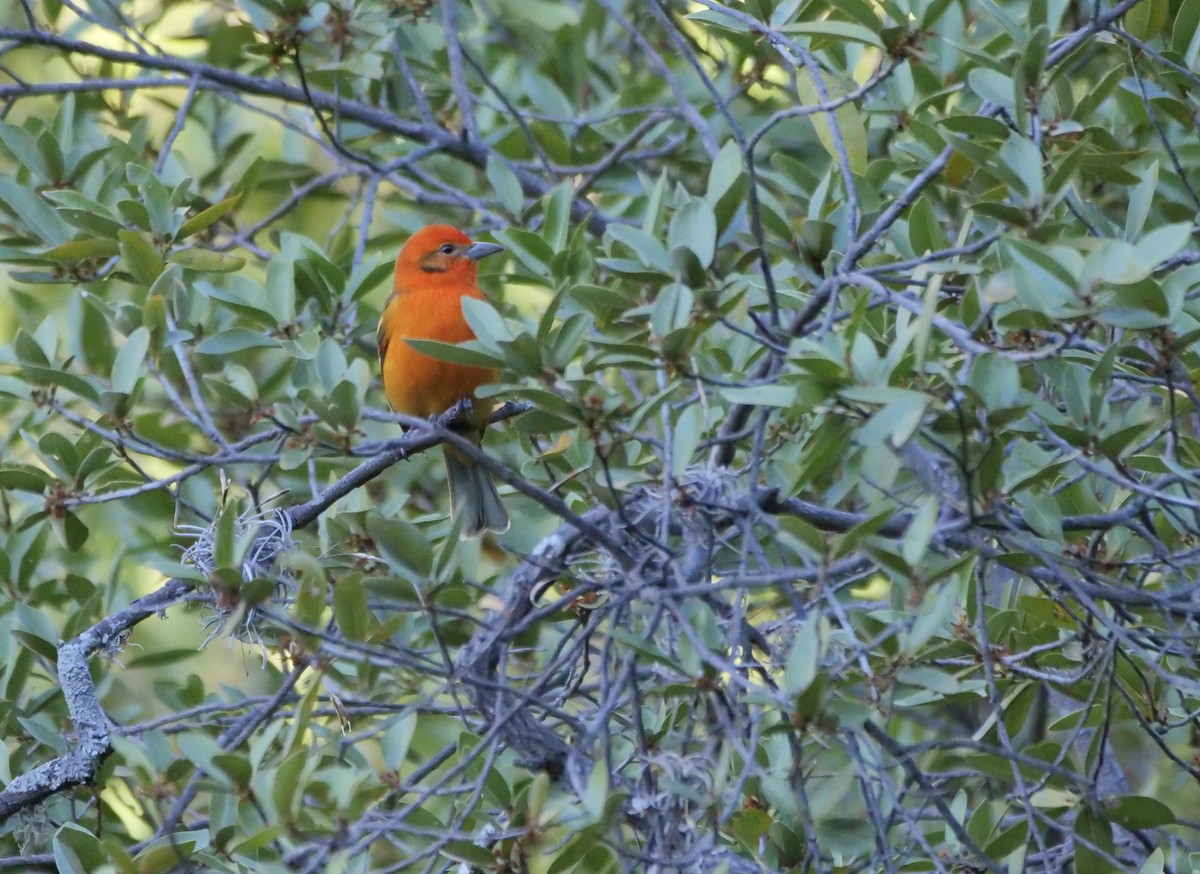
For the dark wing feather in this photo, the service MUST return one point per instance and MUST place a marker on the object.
(381, 334)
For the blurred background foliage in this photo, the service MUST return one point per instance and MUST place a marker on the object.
(852, 352)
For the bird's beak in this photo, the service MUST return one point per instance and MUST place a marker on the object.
(482, 250)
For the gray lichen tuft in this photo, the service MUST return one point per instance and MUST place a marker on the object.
(251, 543)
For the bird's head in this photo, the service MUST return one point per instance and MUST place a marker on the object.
(440, 252)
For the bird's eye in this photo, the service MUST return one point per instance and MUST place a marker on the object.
(447, 249)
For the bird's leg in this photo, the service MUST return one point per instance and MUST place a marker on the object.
(460, 413)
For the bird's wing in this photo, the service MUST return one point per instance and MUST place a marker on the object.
(383, 335)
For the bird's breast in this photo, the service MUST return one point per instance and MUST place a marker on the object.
(417, 384)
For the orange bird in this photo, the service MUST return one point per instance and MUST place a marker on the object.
(436, 269)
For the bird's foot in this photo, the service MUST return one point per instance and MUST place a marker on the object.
(460, 413)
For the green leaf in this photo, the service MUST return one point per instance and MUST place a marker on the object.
(937, 618)
(199, 749)
(1025, 160)
(1096, 832)
(1043, 283)
(1156, 863)
(84, 213)
(1033, 58)
(685, 437)
(850, 123)
(468, 853)
(694, 227)
(140, 256)
(649, 250)
(1138, 305)
(1113, 261)
(350, 607)
(58, 453)
(1141, 199)
(80, 250)
(529, 248)
(156, 200)
(25, 479)
(1042, 514)
(27, 207)
(36, 644)
(979, 126)
(81, 386)
(672, 309)
(208, 217)
(569, 338)
(71, 532)
(600, 298)
(992, 86)
(1185, 33)
(1147, 19)
(22, 146)
(1161, 244)
(290, 780)
(558, 216)
(925, 233)
(719, 19)
(1137, 812)
(280, 290)
(470, 353)
(920, 531)
(47, 146)
(203, 260)
(804, 658)
(14, 387)
(842, 30)
(225, 540)
(401, 543)
(29, 348)
(523, 354)
(596, 794)
(546, 401)
(895, 422)
(154, 320)
(365, 278)
(128, 365)
(78, 851)
(1089, 103)
(724, 171)
(343, 409)
(235, 340)
(1008, 841)
(396, 740)
(487, 324)
(996, 379)
(760, 395)
(162, 658)
(506, 185)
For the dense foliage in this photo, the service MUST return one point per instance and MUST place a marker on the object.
(847, 421)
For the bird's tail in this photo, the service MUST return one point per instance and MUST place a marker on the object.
(473, 496)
